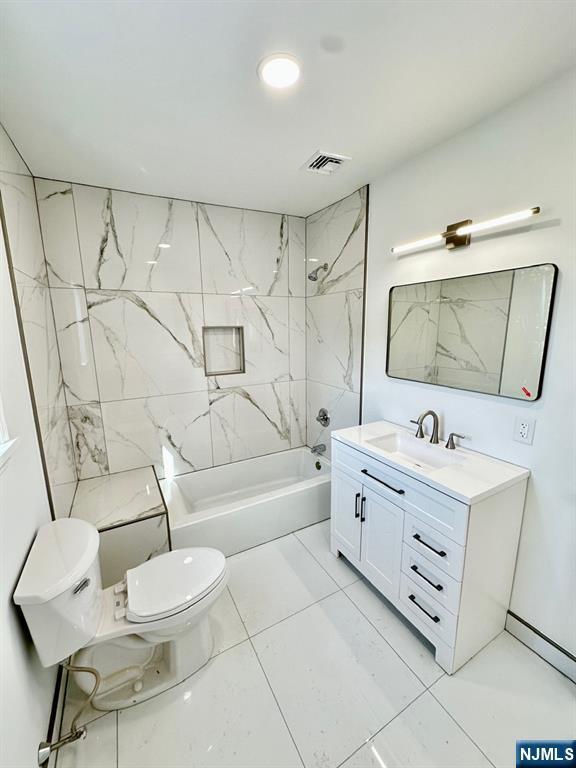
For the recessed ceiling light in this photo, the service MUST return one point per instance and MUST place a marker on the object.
(280, 70)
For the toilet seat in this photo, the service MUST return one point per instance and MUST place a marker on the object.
(170, 583)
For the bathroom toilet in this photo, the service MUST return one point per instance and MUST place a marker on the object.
(144, 634)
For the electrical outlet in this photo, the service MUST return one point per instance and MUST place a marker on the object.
(524, 430)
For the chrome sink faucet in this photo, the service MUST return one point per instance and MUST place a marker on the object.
(420, 430)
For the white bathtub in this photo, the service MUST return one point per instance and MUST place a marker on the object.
(238, 506)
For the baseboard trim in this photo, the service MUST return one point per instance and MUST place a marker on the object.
(550, 651)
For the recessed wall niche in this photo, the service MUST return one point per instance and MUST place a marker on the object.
(223, 349)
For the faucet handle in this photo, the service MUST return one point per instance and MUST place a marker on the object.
(419, 431)
(450, 442)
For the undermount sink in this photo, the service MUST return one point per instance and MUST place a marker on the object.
(408, 449)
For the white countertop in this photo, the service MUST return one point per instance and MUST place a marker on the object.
(463, 474)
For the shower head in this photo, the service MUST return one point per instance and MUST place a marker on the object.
(314, 274)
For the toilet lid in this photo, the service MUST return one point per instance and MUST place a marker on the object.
(171, 582)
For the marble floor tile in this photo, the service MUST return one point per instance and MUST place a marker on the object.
(406, 641)
(97, 750)
(336, 236)
(272, 581)
(137, 242)
(336, 679)
(505, 693)
(118, 498)
(223, 716)
(316, 539)
(227, 626)
(243, 252)
(423, 736)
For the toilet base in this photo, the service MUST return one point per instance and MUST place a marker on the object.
(134, 670)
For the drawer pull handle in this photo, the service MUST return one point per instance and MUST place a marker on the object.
(363, 509)
(396, 490)
(439, 587)
(356, 511)
(418, 538)
(435, 619)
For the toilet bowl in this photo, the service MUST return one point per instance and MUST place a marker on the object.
(143, 635)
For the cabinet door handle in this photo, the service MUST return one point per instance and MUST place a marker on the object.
(439, 587)
(439, 552)
(356, 511)
(435, 619)
(362, 509)
(396, 490)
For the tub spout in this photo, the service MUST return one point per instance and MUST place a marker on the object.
(319, 449)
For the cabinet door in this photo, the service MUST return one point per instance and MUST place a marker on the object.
(345, 524)
(382, 523)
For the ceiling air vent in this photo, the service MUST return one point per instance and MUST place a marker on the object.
(325, 162)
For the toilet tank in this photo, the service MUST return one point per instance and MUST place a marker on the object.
(60, 588)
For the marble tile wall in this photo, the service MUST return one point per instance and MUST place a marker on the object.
(335, 236)
(133, 280)
(38, 322)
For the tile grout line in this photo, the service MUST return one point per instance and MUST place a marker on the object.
(465, 732)
(376, 733)
(268, 681)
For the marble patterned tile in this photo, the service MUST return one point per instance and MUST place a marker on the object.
(413, 334)
(118, 498)
(417, 293)
(275, 580)
(59, 234)
(297, 256)
(243, 252)
(137, 242)
(62, 497)
(334, 339)
(266, 336)
(58, 451)
(343, 408)
(170, 432)
(131, 545)
(336, 679)
(475, 381)
(424, 735)
(88, 440)
(297, 314)
(41, 344)
(97, 750)
(492, 285)
(19, 203)
(146, 343)
(336, 236)
(249, 421)
(227, 626)
(316, 539)
(75, 345)
(223, 716)
(412, 647)
(297, 413)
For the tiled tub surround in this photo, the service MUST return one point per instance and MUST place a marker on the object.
(35, 306)
(134, 279)
(335, 236)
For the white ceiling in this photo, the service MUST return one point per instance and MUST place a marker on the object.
(163, 97)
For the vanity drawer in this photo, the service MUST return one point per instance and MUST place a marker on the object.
(447, 515)
(435, 582)
(437, 549)
(426, 611)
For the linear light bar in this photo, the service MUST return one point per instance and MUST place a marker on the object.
(501, 221)
(433, 240)
(457, 236)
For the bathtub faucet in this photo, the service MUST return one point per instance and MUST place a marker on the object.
(319, 449)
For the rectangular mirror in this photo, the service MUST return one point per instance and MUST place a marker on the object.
(486, 333)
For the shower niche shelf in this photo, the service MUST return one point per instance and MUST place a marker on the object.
(223, 349)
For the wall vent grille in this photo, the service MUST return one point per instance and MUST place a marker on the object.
(325, 162)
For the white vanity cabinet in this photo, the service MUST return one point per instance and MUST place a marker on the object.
(439, 542)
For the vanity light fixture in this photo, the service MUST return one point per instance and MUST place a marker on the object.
(280, 70)
(458, 235)
(163, 245)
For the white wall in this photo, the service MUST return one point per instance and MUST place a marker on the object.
(27, 687)
(522, 156)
